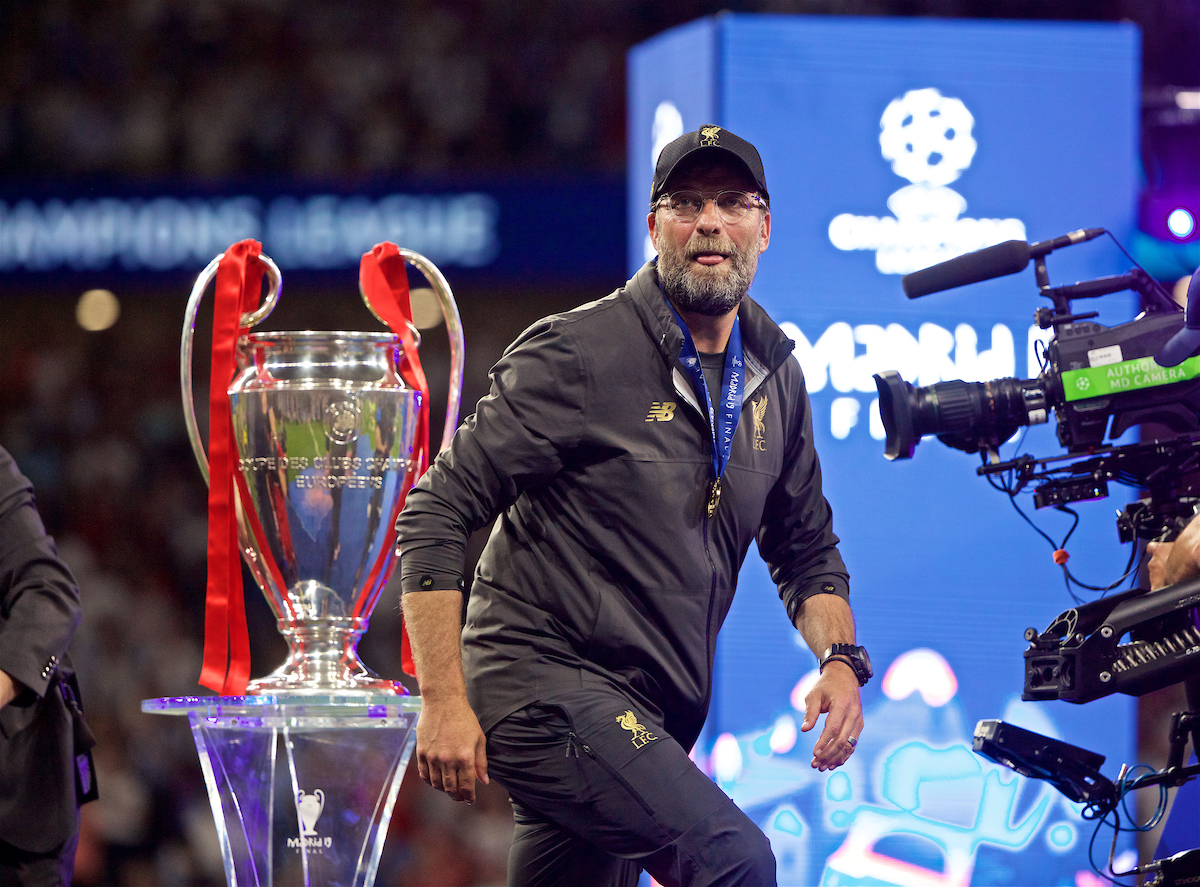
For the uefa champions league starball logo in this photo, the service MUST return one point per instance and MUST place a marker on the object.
(928, 139)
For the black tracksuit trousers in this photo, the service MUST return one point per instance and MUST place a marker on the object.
(599, 792)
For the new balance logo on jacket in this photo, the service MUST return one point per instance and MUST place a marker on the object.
(661, 411)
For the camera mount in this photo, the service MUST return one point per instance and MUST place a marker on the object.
(1160, 467)
(1133, 642)
(1076, 773)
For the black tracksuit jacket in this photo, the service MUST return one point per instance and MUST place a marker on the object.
(604, 565)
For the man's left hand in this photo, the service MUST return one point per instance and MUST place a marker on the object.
(835, 694)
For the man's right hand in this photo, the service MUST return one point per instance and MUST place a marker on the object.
(451, 748)
(450, 744)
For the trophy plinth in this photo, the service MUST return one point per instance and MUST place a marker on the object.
(288, 810)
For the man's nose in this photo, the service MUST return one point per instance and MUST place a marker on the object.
(709, 218)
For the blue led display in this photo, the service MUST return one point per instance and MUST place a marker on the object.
(890, 145)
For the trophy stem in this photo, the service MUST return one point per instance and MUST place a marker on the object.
(323, 658)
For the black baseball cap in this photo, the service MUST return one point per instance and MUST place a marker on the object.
(707, 138)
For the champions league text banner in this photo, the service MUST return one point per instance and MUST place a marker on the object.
(476, 232)
(890, 145)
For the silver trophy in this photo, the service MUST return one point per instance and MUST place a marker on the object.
(325, 430)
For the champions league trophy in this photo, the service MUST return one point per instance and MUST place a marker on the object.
(326, 432)
(303, 766)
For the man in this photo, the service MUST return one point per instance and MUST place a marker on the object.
(626, 506)
(45, 762)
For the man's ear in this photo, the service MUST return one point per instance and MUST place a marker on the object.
(651, 221)
(764, 233)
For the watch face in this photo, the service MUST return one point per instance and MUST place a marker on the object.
(860, 661)
(866, 661)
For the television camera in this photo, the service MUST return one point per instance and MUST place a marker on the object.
(1099, 381)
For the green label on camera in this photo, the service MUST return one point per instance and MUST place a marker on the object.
(1126, 375)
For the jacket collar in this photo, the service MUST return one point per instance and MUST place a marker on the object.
(762, 338)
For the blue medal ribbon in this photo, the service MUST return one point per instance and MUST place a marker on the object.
(723, 418)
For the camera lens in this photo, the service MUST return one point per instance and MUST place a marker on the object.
(964, 415)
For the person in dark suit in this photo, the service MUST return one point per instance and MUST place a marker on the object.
(45, 760)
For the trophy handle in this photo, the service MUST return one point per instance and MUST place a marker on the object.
(453, 329)
(189, 329)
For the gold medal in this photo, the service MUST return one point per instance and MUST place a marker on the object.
(714, 496)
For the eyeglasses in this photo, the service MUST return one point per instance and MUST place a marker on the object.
(732, 206)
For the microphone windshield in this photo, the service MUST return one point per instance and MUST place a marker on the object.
(994, 261)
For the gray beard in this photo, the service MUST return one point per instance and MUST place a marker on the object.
(700, 293)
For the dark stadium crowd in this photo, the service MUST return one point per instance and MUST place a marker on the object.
(361, 89)
(346, 89)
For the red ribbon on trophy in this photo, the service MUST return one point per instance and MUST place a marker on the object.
(226, 666)
(383, 278)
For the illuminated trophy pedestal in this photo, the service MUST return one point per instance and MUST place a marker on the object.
(302, 787)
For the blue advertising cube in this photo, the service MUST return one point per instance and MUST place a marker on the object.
(891, 145)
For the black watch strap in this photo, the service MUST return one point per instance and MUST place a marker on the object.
(854, 656)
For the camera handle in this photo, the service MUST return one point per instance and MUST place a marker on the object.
(1137, 280)
(1181, 869)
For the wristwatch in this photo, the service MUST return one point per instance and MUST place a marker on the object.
(855, 657)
